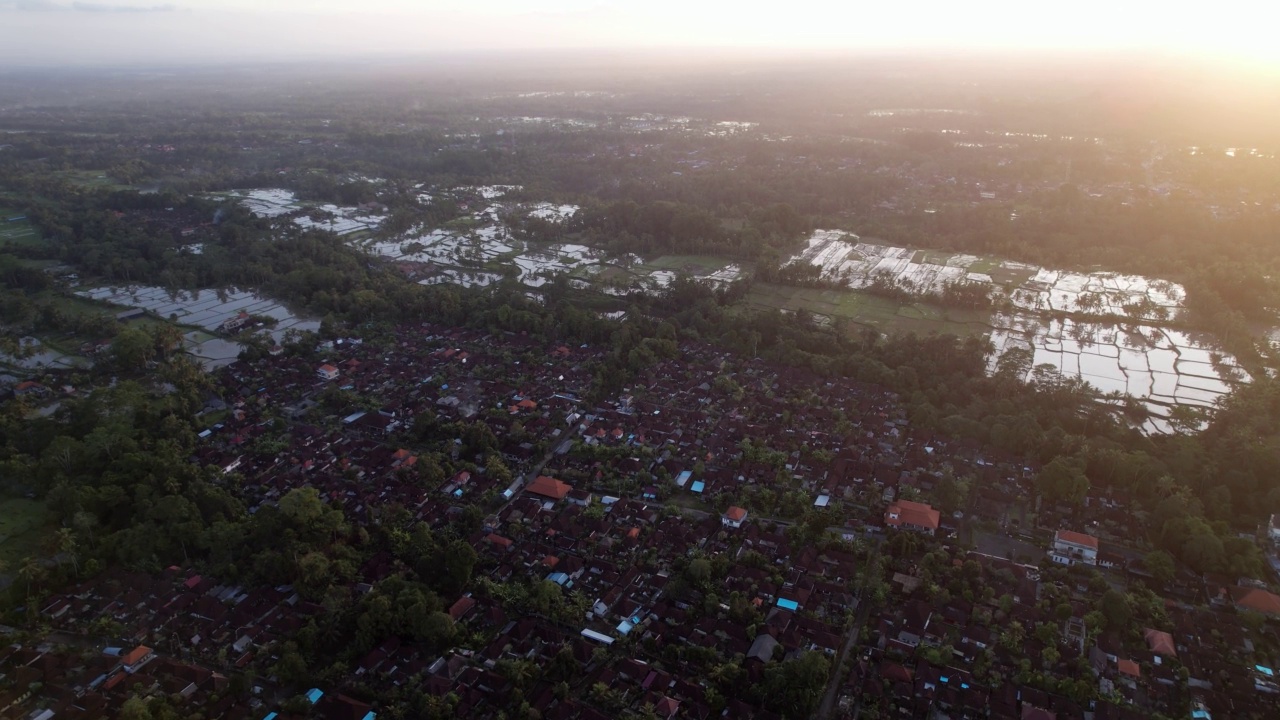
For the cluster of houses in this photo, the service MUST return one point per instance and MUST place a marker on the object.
(986, 654)
(612, 502)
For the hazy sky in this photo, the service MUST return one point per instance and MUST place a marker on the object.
(65, 32)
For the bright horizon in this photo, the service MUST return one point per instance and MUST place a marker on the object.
(57, 32)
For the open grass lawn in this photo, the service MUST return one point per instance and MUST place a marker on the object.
(24, 527)
(20, 232)
(882, 314)
(90, 179)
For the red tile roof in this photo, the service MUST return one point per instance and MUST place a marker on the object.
(549, 487)
(736, 514)
(1076, 538)
(666, 707)
(498, 540)
(1130, 668)
(1256, 599)
(459, 609)
(135, 655)
(913, 513)
(1160, 642)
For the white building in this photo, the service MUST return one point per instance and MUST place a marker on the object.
(1073, 548)
(734, 517)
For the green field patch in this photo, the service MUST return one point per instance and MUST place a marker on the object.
(90, 179)
(24, 527)
(883, 314)
(463, 223)
(18, 232)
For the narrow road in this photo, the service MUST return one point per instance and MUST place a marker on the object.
(828, 704)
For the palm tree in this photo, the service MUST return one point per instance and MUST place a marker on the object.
(31, 572)
(65, 544)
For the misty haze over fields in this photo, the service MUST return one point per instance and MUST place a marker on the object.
(594, 360)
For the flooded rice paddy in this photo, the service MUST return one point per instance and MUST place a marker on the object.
(207, 309)
(1126, 350)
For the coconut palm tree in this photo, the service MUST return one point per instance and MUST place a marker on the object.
(65, 544)
(31, 572)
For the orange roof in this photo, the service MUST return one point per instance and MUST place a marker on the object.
(914, 513)
(328, 368)
(136, 655)
(633, 533)
(1256, 599)
(735, 514)
(551, 561)
(549, 487)
(497, 539)
(526, 404)
(1076, 538)
(1130, 668)
(1160, 642)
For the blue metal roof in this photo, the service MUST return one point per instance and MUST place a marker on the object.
(314, 695)
(788, 604)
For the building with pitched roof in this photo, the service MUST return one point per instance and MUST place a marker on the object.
(1256, 599)
(549, 487)
(908, 515)
(1073, 548)
(734, 517)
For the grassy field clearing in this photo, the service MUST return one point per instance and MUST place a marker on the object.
(880, 313)
(23, 530)
(90, 179)
(20, 232)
